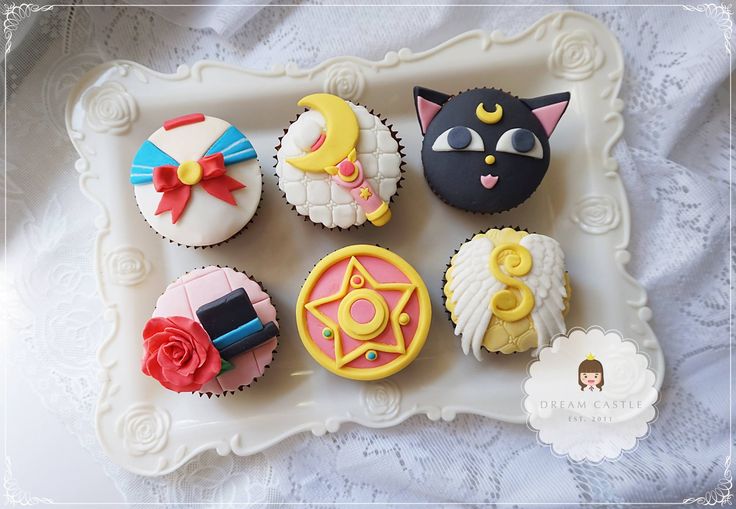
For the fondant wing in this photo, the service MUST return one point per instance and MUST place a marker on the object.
(546, 280)
(472, 285)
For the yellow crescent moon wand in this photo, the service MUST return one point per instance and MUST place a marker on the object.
(336, 155)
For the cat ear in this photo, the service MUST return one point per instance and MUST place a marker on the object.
(428, 103)
(548, 109)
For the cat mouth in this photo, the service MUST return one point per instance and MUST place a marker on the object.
(488, 181)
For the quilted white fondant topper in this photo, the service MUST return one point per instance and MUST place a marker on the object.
(334, 152)
(338, 163)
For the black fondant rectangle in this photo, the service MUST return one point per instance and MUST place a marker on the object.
(226, 313)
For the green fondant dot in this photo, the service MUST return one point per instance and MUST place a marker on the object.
(327, 332)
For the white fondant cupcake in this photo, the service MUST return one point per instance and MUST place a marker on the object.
(197, 180)
(338, 164)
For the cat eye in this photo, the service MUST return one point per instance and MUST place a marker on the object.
(459, 138)
(521, 142)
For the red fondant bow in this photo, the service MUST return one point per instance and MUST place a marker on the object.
(176, 193)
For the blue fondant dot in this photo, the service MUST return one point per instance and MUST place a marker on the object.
(522, 140)
(458, 138)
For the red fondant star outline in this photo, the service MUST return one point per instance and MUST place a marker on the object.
(407, 290)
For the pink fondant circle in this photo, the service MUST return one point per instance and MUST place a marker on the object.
(346, 168)
(362, 311)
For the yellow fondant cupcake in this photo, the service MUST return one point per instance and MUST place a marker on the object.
(363, 313)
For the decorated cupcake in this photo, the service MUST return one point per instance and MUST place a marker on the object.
(486, 150)
(338, 164)
(507, 291)
(197, 180)
(213, 331)
(363, 313)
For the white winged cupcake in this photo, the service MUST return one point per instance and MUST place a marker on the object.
(507, 291)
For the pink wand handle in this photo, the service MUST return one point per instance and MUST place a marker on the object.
(350, 176)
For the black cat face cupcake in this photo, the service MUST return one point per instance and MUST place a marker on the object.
(486, 150)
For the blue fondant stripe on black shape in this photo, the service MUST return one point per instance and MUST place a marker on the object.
(238, 334)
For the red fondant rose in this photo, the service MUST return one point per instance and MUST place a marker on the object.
(179, 353)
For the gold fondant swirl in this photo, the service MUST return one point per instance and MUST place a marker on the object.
(517, 261)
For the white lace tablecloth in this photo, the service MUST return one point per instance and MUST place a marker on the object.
(674, 163)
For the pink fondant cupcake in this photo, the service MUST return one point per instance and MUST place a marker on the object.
(213, 331)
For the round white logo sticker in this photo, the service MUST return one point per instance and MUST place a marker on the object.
(590, 395)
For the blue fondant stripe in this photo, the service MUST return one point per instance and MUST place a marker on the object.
(141, 179)
(236, 335)
(146, 159)
(149, 155)
(243, 155)
(228, 138)
(234, 145)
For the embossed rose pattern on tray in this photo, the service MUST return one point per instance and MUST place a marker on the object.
(575, 55)
(346, 80)
(381, 400)
(109, 108)
(597, 214)
(144, 429)
(127, 266)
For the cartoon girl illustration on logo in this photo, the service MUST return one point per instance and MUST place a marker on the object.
(590, 374)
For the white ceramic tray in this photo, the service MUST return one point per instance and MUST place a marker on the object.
(581, 202)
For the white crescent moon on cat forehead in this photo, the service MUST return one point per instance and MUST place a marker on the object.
(341, 134)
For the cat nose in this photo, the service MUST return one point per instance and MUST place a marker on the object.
(490, 159)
